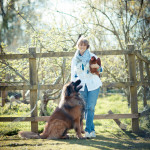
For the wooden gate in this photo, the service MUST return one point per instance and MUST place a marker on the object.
(33, 86)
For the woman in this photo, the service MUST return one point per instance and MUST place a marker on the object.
(91, 82)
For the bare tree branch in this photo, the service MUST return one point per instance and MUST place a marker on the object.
(115, 32)
(16, 72)
(138, 15)
(2, 9)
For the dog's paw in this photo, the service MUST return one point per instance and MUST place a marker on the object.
(65, 137)
(81, 137)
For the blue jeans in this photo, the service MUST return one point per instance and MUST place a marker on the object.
(90, 98)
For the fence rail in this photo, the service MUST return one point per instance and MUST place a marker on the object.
(45, 118)
(59, 86)
(33, 86)
(63, 54)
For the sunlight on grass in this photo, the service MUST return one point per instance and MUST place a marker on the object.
(116, 103)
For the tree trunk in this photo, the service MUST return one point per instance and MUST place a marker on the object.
(43, 107)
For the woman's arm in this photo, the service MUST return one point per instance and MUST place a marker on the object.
(72, 70)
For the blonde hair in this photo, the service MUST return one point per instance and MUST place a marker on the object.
(83, 41)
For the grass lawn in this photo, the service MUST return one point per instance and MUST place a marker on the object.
(109, 135)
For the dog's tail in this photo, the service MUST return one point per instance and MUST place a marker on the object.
(29, 135)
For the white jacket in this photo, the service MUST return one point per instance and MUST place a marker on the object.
(92, 81)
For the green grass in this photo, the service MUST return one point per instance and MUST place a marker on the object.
(109, 135)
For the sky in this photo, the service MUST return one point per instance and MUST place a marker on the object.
(65, 6)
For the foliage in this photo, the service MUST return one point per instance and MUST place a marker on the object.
(15, 16)
(104, 24)
(24, 109)
(51, 107)
(16, 109)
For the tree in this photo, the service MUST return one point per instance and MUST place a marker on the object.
(127, 21)
(107, 24)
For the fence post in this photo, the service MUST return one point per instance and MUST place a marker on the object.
(3, 93)
(142, 80)
(147, 71)
(133, 89)
(33, 93)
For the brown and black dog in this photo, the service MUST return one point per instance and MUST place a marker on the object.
(97, 61)
(68, 115)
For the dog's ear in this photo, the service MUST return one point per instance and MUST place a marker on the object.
(76, 83)
(68, 91)
(99, 61)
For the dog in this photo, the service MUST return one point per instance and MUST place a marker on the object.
(96, 65)
(68, 115)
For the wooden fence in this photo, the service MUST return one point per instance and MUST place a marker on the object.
(33, 86)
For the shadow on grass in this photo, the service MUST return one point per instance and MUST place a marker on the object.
(17, 144)
(114, 140)
(100, 142)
